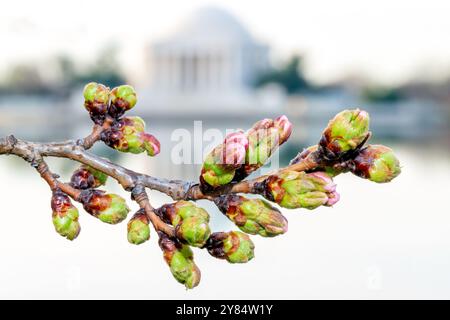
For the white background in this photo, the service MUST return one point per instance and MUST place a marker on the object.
(379, 241)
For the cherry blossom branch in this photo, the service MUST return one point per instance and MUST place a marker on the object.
(306, 183)
(33, 152)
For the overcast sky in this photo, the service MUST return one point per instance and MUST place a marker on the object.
(388, 41)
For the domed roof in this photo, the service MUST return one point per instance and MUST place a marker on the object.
(211, 23)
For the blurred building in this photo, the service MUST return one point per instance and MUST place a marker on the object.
(211, 60)
(205, 71)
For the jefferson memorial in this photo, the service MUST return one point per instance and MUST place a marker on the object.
(209, 61)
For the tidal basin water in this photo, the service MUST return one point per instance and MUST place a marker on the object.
(379, 241)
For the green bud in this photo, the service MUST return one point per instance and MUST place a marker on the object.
(191, 222)
(96, 100)
(100, 178)
(347, 131)
(86, 177)
(260, 150)
(292, 189)
(138, 228)
(376, 163)
(233, 246)
(180, 259)
(253, 216)
(65, 216)
(109, 208)
(264, 139)
(215, 174)
(149, 143)
(222, 162)
(131, 125)
(123, 98)
(127, 135)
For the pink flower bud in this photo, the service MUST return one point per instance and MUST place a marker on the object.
(220, 165)
(237, 137)
(150, 144)
(284, 126)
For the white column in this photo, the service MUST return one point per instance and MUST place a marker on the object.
(173, 70)
(165, 70)
(194, 71)
(176, 71)
(204, 72)
(238, 66)
(188, 71)
(211, 71)
(218, 70)
(154, 70)
(227, 69)
(182, 60)
(200, 72)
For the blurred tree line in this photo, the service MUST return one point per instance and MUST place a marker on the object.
(60, 75)
(289, 76)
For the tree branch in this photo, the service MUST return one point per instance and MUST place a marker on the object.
(128, 179)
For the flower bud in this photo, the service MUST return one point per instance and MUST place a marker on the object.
(180, 259)
(347, 131)
(264, 139)
(376, 163)
(138, 228)
(123, 98)
(233, 246)
(253, 216)
(284, 127)
(65, 215)
(292, 189)
(109, 208)
(191, 222)
(127, 135)
(96, 100)
(242, 153)
(221, 163)
(149, 143)
(86, 177)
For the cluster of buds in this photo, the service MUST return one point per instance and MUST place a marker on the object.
(65, 215)
(253, 216)
(96, 101)
(100, 101)
(180, 259)
(376, 163)
(242, 153)
(233, 246)
(292, 189)
(86, 177)
(341, 149)
(346, 132)
(128, 135)
(138, 228)
(109, 208)
(264, 138)
(220, 165)
(191, 222)
(123, 98)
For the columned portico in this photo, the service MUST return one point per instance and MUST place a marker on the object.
(211, 54)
